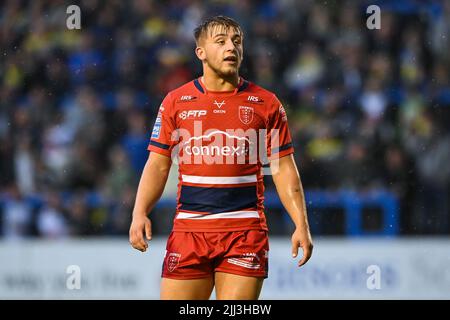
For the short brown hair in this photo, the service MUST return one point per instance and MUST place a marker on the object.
(224, 21)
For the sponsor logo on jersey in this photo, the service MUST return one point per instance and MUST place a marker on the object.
(216, 146)
(191, 114)
(219, 105)
(187, 98)
(255, 99)
(236, 146)
(246, 114)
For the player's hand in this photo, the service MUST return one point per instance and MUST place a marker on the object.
(141, 227)
(302, 238)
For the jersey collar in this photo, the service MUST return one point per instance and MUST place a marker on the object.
(243, 84)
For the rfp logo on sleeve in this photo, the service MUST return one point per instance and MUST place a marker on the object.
(157, 127)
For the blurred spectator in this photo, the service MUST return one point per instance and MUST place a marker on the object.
(24, 165)
(307, 70)
(432, 152)
(356, 171)
(120, 214)
(17, 214)
(135, 141)
(50, 221)
(86, 62)
(120, 173)
(439, 31)
(56, 148)
(79, 216)
(373, 100)
(7, 176)
(397, 174)
(81, 172)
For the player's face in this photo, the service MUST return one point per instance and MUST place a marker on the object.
(223, 51)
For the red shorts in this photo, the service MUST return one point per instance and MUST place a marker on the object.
(195, 255)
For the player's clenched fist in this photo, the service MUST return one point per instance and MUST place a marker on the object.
(141, 227)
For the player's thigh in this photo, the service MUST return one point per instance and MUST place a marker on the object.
(190, 289)
(235, 287)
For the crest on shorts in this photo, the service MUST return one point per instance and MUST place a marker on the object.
(245, 114)
(172, 261)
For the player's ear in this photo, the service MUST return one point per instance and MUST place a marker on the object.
(200, 52)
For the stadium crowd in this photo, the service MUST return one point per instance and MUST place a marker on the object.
(368, 109)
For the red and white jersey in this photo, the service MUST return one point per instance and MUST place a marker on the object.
(222, 142)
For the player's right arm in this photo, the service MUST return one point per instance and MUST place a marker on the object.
(151, 186)
(154, 175)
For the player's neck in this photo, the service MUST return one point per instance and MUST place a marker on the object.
(215, 83)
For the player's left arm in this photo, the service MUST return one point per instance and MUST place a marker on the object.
(290, 190)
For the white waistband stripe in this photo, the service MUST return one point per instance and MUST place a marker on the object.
(224, 215)
(244, 264)
(219, 180)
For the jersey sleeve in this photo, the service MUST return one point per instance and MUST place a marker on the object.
(279, 142)
(161, 140)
